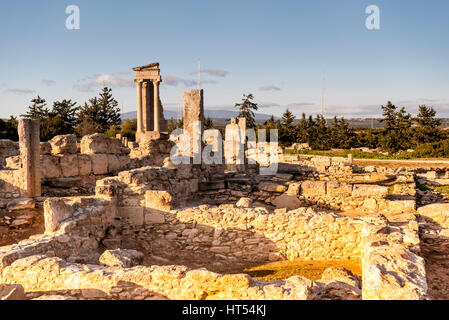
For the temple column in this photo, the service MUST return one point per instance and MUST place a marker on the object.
(144, 106)
(156, 104)
(139, 106)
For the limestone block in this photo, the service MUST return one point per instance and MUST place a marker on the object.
(113, 163)
(125, 162)
(20, 204)
(294, 189)
(55, 211)
(287, 201)
(45, 148)
(153, 216)
(84, 164)
(369, 191)
(50, 167)
(134, 215)
(337, 189)
(437, 212)
(63, 144)
(100, 143)
(13, 162)
(370, 204)
(123, 258)
(400, 206)
(69, 165)
(99, 164)
(313, 188)
(272, 187)
(159, 200)
(244, 202)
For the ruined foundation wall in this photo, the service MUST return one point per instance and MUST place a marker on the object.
(242, 234)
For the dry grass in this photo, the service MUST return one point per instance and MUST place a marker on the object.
(310, 269)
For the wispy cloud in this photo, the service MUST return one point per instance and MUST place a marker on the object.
(300, 104)
(213, 72)
(269, 88)
(174, 81)
(268, 104)
(20, 91)
(48, 82)
(96, 81)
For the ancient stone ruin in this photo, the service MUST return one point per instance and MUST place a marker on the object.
(107, 218)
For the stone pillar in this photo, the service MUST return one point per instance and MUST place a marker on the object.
(194, 120)
(139, 106)
(145, 125)
(193, 110)
(156, 105)
(29, 142)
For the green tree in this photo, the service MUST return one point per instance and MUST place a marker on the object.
(208, 123)
(271, 123)
(288, 130)
(342, 135)
(246, 108)
(62, 118)
(129, 129)
(175, 124)
(8, 129)
(302, 129)
(397, 130)
(427, 129)
(102, 112)
(38, 110)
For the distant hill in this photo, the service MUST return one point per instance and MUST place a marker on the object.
(214, 114)
(219, 116)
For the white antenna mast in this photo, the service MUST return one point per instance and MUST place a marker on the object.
(323, 98)
(199, 74)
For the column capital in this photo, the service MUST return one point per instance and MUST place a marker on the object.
(138, 81)
(156, 81)
(145, 84)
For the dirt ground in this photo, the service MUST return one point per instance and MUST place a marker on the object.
(20, 225)
(310, 269)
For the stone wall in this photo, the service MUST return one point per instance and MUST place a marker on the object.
(74, 228)
(254, 234)
(282, 191)
(8, 149)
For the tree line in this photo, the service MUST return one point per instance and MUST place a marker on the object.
(101, 114)
(401, 131)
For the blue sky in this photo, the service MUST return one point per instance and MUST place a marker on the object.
(277, 50)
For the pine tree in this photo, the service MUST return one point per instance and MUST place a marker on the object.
(62, 118)
(397, 131)
(288, 131)
(427, 130)
(208, 123)
(38, 109)
(102, 112)
(246, 108)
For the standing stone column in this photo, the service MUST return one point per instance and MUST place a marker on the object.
(139, 106)
(145, 106)
(194, 120)
(29, 143)
(156, 105)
